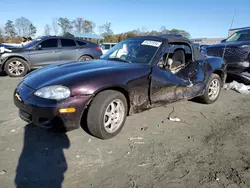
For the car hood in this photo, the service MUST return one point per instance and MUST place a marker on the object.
(71, 73)
(18, 49)
(15, 50)
(229, 44)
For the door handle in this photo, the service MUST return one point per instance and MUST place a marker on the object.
(77, 49)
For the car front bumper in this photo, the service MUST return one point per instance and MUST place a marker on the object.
(45, 113)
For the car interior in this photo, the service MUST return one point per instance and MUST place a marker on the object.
(179, 61)
(178, 57)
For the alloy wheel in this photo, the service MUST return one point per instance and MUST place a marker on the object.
(114, 116)
(16, 68)
(214, 89)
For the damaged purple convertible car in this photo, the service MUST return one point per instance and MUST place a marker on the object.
(135, 75)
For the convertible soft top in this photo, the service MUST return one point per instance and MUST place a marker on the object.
(173, 38)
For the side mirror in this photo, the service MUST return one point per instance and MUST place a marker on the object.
(39, 47)
(224, 40)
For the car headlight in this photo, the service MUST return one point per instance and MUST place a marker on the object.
(56, 92)
(204, 51)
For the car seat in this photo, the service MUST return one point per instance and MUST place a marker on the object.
(178, 59)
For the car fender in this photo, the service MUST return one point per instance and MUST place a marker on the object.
(5, 57)
(215, 65)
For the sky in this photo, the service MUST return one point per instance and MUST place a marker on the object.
(200, 18)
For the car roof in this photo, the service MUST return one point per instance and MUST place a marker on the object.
(171, 38)
(64, 37)
(60, 37)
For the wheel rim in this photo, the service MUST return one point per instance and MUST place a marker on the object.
(213, 89)
(114, 116)
(16, 68)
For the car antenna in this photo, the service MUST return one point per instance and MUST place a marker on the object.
(224, 51)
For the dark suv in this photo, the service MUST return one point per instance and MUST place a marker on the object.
(236, 53)
(45, 51)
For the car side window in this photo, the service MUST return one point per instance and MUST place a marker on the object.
(106, 46)
(49, 43)
(68, 43)
(179, 55)
(81, 43)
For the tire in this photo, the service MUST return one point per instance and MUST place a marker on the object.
(85, 58)
(207, 97)
(13, 63)
(100, 106)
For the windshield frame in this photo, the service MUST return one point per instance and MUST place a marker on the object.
(106, 56)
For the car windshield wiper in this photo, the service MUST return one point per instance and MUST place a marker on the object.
(118, 59)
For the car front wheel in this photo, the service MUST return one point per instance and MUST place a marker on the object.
(213, 88)
(107, 114)
(16, 67)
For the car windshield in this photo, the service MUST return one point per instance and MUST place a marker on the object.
(239, 36)
(32, 43)
(133, 51)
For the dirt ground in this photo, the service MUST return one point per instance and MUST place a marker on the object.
(210, 147)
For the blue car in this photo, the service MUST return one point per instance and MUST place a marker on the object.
(236, 50)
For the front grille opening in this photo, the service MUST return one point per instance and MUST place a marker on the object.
(24, 115)
(44, 122)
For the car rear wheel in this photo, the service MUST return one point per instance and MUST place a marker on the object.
(107, 114)
(85, 58)
(16, 67)
(213, 88)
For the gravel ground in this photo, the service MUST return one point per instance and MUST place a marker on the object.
(210, 147)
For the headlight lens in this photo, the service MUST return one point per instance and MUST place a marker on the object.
(56, 92)
(204, 51)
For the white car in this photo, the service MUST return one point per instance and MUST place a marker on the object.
(107, 46)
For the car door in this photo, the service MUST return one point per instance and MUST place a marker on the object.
(167, 87)
(69, 51)
(46, 52)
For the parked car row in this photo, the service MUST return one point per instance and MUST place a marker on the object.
(135, 75)
(45, 51)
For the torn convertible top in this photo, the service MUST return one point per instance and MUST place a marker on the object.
(180, 39)
(173, 38)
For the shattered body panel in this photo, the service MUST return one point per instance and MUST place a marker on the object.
(188, 83)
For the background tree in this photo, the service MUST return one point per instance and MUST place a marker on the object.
(78, 24)
(47, 30)
(130, 34)
(1, 35)
(110, 38)
(22, 26)
(25, 27)
(55, 26)
(105, 29)
(10, 29)
(32, 30)
(65, 25)
(184, 33)
(164, 30)
(89, 26)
